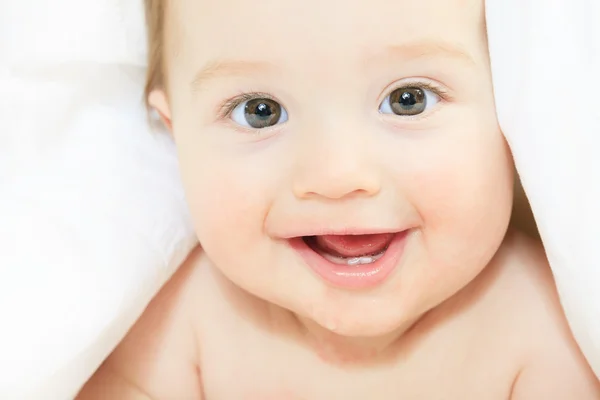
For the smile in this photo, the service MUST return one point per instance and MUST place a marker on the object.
(352, 261)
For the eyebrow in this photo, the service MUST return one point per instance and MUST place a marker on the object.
(222, 69)
(424, 49)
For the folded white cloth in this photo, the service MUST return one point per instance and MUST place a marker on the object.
(92, 221)
(92, 215)
(545, 61)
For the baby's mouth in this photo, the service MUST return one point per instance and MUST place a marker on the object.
(350, 250)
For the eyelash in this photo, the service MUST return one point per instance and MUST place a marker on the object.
(229, 105)
(443, 93)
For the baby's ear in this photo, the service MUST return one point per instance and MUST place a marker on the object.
(157, 99)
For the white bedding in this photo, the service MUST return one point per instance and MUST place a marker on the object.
(92, 222)
(545, 61)
(92, 215)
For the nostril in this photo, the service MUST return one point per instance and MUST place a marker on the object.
(334, 193)
(337, 183)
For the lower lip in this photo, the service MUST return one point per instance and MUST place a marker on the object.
(353, 277)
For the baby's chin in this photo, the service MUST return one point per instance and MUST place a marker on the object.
(355, 339)
(354, 321)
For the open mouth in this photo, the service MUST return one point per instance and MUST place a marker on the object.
(354, 261)
(350, 250)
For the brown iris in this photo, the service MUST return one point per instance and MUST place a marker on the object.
(262, 113)
(408, 101)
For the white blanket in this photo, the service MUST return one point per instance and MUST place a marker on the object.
(545, 62)
(92, 215)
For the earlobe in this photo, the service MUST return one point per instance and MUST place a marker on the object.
(157, 99)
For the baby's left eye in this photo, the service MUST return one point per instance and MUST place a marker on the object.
(408, 101)
(259, 113)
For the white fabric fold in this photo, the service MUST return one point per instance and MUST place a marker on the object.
(545, 58)
(92, 221)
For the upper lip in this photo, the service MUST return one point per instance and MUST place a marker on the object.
(339, 231)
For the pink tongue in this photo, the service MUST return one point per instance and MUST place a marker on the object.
(354, 245)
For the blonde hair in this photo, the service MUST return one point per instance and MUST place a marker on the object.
(155, 23)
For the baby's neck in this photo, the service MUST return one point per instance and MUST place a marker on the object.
(336, 349)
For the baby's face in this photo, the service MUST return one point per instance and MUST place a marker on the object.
(304, 125)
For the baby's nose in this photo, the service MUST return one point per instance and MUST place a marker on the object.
(335, 167)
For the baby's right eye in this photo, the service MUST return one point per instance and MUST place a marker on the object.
(409, 101)
(259, 113)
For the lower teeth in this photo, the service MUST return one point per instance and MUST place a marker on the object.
(354, 260)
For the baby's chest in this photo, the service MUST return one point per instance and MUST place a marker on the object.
(250, 370)
(261, 384)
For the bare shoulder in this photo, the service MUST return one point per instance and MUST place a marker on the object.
(158, 358)
(552, 365)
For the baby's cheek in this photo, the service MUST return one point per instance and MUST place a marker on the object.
(227, 206)
(465, 211)
(442, 196)
(464, 194)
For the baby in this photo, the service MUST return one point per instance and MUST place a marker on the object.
(352, 192)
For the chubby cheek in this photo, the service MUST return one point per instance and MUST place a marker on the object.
(228, 202)
(466, 204)
(464, 198)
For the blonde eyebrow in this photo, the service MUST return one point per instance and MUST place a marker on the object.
(424, 49)
(223, 69)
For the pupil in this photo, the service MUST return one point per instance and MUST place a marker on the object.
(407, 99)
(263, 110)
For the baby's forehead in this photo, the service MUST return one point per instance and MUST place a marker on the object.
(291, 31)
